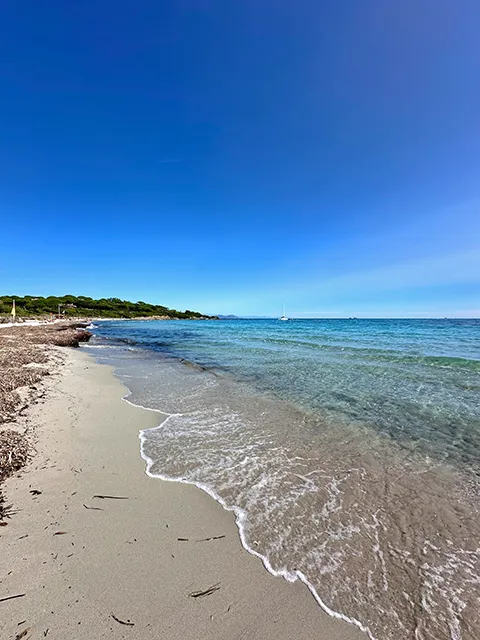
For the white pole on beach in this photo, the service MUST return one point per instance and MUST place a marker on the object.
(14, 313)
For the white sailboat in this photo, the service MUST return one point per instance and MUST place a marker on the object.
(284, 317)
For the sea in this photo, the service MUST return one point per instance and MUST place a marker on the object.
(348, 450)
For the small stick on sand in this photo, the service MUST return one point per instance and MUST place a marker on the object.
(111, 497)
(94, 508)
(207, 592)
(212, 538)
(19, 595)
(127, 623)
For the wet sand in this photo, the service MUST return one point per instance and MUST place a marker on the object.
(95, 567)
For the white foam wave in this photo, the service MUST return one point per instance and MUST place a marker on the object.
(241, 518)
(100, 346)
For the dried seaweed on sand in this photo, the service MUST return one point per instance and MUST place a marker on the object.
(14, 453)
(26, 357)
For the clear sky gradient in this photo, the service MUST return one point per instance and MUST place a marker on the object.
(232, 156)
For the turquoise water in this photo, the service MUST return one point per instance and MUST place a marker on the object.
(348, 449)
(415, 380)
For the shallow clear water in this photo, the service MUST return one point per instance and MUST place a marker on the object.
(349, 450)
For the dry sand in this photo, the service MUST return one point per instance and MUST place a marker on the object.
(78, 567)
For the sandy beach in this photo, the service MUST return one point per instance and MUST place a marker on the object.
(135, 567)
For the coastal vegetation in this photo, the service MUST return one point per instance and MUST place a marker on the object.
(83, 306)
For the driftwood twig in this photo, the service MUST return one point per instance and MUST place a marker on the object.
(19, 595)
(127, 623)
(212, 538)
(94, 508)
(207, 592)
(111, 497)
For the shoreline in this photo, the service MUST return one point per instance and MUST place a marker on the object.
(84, 563)
(239, 517)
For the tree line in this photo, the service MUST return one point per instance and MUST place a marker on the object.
(83, 306)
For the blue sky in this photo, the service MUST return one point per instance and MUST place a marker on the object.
(232, 156)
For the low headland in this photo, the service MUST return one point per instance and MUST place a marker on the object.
(90, 546)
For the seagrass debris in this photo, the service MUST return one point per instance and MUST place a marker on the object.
(62, 335)
(14, 453)
(9, 403)
(26, 357)
(22, 350)
(15, 377)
